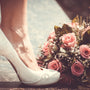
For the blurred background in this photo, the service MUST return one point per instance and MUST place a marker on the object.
(42, 16)
(75, 7)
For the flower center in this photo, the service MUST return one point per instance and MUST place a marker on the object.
(68, 38)
(54, 66)
(86, 52)
(77, 69)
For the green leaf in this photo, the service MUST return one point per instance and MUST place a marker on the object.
(64, 30)
(57, 31)
(67, 29)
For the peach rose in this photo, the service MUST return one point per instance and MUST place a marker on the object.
(77, 69)
(69, 40)
(85, 51)
(55, 65)
(51, 36)
(46, 49)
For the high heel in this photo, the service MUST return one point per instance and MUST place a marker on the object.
(25, 74)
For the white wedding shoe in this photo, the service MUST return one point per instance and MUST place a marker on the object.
(25, 74)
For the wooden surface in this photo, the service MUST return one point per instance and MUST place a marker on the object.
(57, 86)
(42, 16)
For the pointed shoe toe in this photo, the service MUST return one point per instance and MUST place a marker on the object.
(47, 77)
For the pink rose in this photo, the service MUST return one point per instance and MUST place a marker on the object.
(77, 69)
(51, 36)
(46, 49)
(55, 65)
(69, 40)
(85, 51)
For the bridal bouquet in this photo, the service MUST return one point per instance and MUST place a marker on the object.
(67, 50)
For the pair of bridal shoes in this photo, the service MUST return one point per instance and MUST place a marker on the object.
(25, 74)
